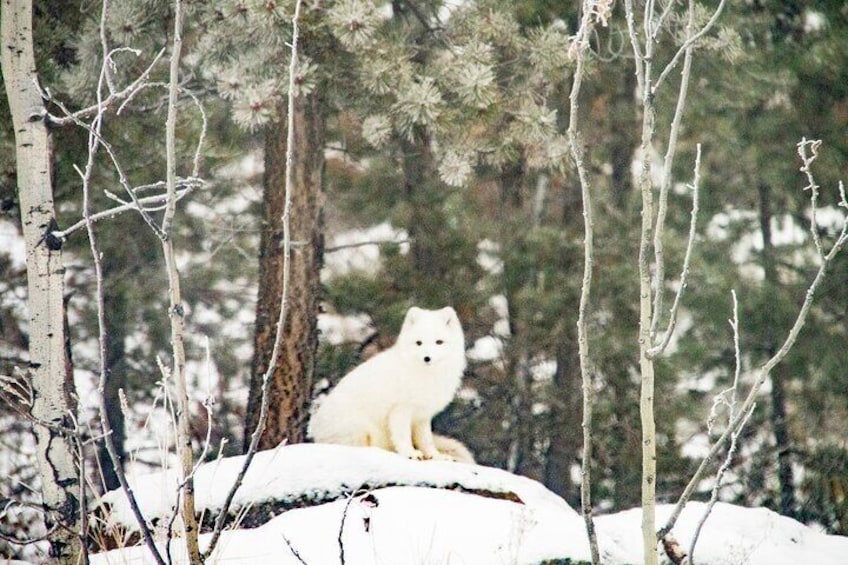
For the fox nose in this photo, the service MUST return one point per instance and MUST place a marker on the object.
(427, 359)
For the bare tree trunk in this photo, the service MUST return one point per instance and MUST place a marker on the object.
(779, 374)
(49, 366)
(291, 382)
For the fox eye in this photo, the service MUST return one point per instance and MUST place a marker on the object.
(418, 342)
(439, 342)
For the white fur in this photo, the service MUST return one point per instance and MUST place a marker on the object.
(389, 400)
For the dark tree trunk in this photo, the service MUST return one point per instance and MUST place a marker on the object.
(623, 140)
(512, 195)
(291, 380)
(779, 374)
(115, 306)
(426, 221)
(564, 437)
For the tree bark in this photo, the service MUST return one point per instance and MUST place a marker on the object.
(779, 374)
(291, 381)
(49, 366)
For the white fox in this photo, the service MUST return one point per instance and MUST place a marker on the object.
(389, 400)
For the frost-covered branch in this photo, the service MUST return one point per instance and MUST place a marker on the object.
(126, 93)
(579, 50)
(807, 159)
(731, 411)
(185, 186)
(763, 373)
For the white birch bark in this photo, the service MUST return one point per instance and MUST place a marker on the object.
(49, 367)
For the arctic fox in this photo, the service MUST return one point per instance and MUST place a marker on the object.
(389, 400)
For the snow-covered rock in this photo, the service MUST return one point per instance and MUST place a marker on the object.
(395, 511)
(311, 503)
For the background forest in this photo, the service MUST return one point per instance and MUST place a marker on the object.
(433, 169)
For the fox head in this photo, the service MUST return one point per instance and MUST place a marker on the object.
(432, 336)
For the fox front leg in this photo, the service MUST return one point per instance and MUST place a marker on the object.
(422, 438)
(400, 432)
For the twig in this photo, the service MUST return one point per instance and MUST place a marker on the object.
(343, 246)
(807, 160)
(278, 338)
(122, 179)
(734, 324)
(690, 42)
(684, 274)
(292, 549)
(350, 498)
(127, 206)
(668, 161)
(128, 92)
(579, 48)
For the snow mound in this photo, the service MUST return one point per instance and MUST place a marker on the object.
(731, 535)
(394, 510)
(319, 501)
(312, 473)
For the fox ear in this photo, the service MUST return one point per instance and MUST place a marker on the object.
(411, 316)
(449, 315)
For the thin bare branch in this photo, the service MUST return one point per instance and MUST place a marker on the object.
(94, 142)
(684, 274)
(689, 44)
(187, 186)
(665, 186)
(762, 376)
(122, 178)
(728, 459)
(635, 44)
(127, 93)
(579, 49)
(807, 161)
(278, 338)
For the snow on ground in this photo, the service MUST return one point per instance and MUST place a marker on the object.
(404, 522)
(732, 535)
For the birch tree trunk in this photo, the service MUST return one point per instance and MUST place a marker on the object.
(49, 367)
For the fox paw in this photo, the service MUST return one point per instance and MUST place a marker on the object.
(438, 456)
(414, 454)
